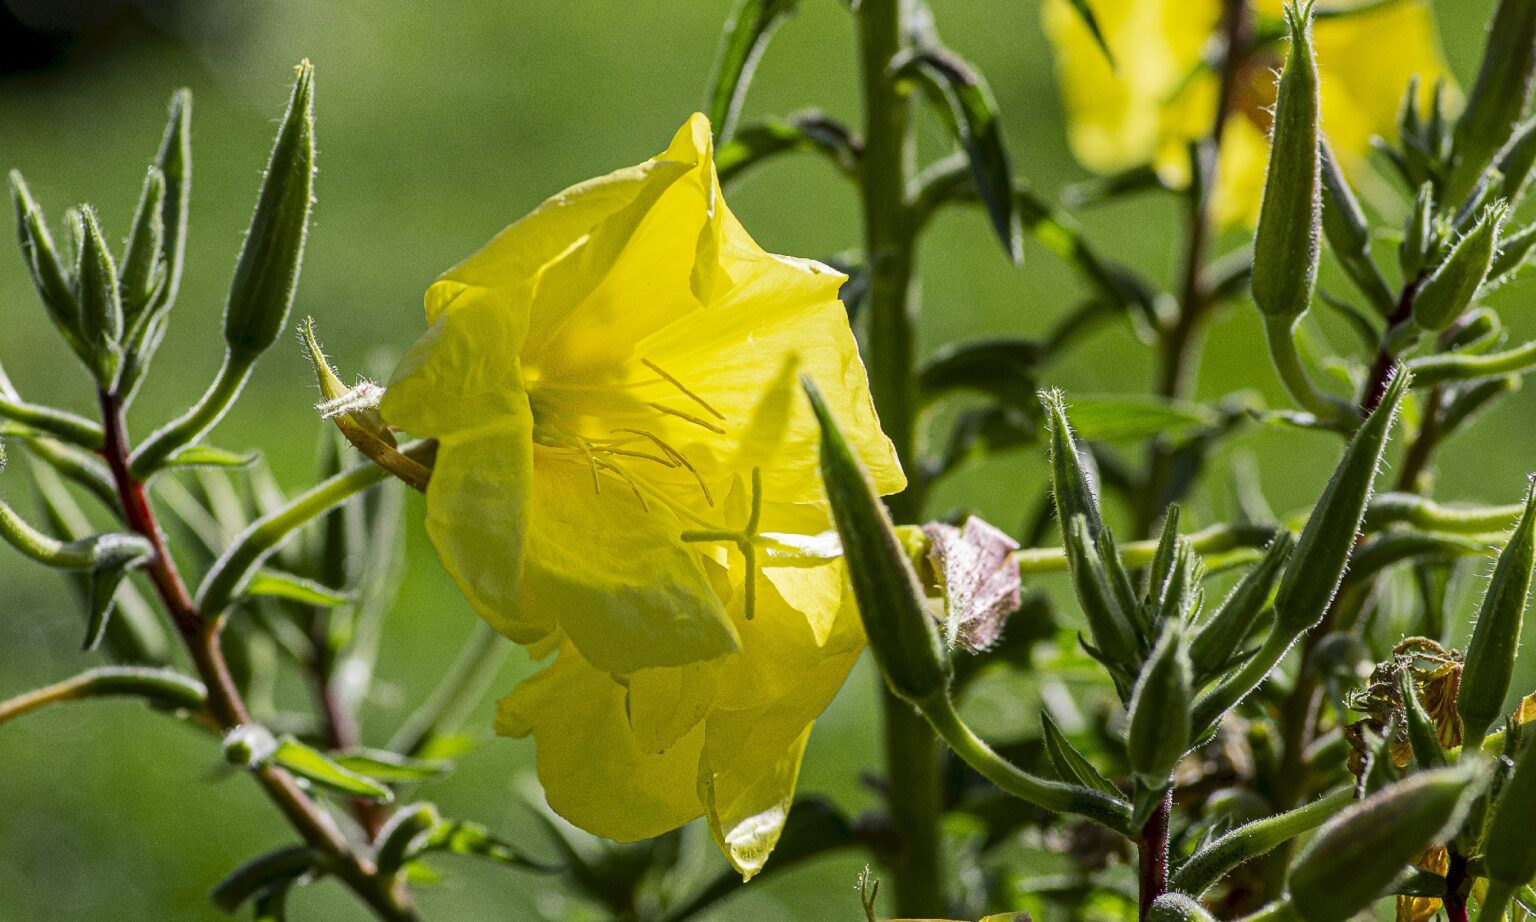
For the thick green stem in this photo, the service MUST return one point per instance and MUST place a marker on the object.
(886, 173)
(1298, 383)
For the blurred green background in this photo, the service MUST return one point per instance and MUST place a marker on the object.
(438, 124)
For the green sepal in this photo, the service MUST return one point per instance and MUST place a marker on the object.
(1091, 23)
(101, 307)
(1285, 245)
(902, 635)
(1158, 728)
(968, 111)
(1176, 907)
(746, 35)
(267, 274)
(1071, 764)
(1490, 655)
(1357, 855)
(1422, 735)
(1419, 237)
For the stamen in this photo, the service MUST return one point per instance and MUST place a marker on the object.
(689, 417)
(624, 475)
(675, 455)
(664, 462)
(682, 387)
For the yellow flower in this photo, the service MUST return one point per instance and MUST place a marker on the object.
(1162, 95)
(611, 383)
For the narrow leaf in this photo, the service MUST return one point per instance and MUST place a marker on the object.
(1070, 764)
(274, 584)
(743, 42)
(314, 765)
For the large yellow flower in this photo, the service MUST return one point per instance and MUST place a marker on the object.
(611, 383)
(1162, 95)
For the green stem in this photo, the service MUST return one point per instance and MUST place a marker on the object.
(1055, 796)
(886, 175)
(1282, 349)
(1205, 868)
(1435, 369)
(478, 662)
(160, 687)
(210, 408)
(1213, 540)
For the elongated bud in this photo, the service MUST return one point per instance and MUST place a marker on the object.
(1451, 290)
(143, 271)
(1358, 853)
(1073, 492)
(1176, 907)
(1499, 97)
(1285, 245)
(49, 273)
(1495, 640)
(267, 274)
(902, 635)
(1418, 234)
(101, 308)
(174, 161)
(1322, 552)
(1508, 847)
(1422, 734)
(1224, 631)
(1349, 234)
(1158, 732)
(1108, 624)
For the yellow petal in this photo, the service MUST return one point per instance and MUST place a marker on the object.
(665, 703)
(746, 823)
(592, 769)
(460, 385)
(613, 567)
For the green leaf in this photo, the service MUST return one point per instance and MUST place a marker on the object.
(1456, 366)
(166, 689)
(267, 273)
(103, 586)
(462, 837)
(53, 280)
(1135, 418)
(902, 634)
(83, 554)
(1509, 849)
(1091, 22)
(383, 765)
(314, 765)
(1176, 907)
(1006, 369)
(208, 456)
(274, 584)
(403, 836)
(67, 427)
(1423, 736)
(142, 270)
(1236, 618)
(742, 44)
(1285, 244)
(283, 866)
(1490, 658)
(811, 132)
(1070, 764)
(968, 111)
(1500, 95)
(1349, 235)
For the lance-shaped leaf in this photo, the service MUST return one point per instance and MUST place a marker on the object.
(1423, 736)
(463, 837)
(104, 580)
(267, 273)
(1419, 236)
(742, 44)
(1108, 623)
(1437, 369)
(902, 635)
(101, 307)
(1070, 764)
(84, 554)
(977, 579)
(1349, 234)
(275, 868)
(966, 107)
(76, 430)
(1158, 723)
(1321, 556)
(1509, 849)
(313, 765)
(1456, 283)
(166, 689)
(1236, 618)
(1499, 96)
(174, 162)
(1285, 244)
(1490, 660)
(1360, 852)
(275, 584)
(384, 765)
(1216, 859)
(807, 132)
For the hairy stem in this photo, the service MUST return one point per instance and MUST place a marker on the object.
(1152, 854)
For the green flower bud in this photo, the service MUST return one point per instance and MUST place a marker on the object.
(1349, 234)
(1234, 621)
(1495, 640)
(143, 272)
(1509, 849)
(1176, 907)
(1500, 94)
(903, 637)
(1323, 550)
(1358, 853)
(1419, 233)
(1285, 245)
(1069, 479)
(53, 282)
(1108, 624)
(267, 274)
(1158, 731)
(101, 307)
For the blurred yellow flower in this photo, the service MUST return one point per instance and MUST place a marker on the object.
(1162, 94)
(611, 383)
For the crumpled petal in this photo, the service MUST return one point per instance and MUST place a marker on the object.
(746, 823)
